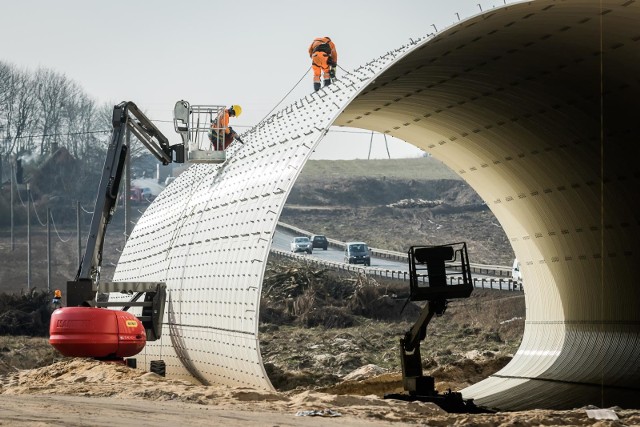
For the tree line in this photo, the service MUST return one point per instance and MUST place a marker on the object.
(44, 109)
(41, 112)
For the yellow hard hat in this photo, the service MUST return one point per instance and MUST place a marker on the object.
(237, 109)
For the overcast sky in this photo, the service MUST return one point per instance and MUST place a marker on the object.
(251, 53)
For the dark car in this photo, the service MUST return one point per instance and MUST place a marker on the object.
(357, 253)
(319, 241)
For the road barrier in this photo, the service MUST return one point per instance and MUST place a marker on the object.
(497, 271)
(496, 283)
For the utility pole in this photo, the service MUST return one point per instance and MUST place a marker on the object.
(13, 241)
(28, 237)
(78, 231)
(48, 249)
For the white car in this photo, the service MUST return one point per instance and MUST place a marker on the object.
(516, 275)
(301, 244)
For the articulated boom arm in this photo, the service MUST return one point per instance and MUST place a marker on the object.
(435, 263)
(126, 115)
(147, 133)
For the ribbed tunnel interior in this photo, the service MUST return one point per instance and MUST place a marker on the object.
(535, 106)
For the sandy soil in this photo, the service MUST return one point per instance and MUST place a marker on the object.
(77, 392)
(478, 339)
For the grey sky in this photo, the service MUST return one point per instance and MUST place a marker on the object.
(251, 53)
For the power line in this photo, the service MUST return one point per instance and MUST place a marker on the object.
(33, 203)
(171, 121)
(19, 196)
(86, 211)
(162, 121)
(61, 134)
(56, 229)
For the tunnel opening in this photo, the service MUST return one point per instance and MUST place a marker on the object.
(392, 204)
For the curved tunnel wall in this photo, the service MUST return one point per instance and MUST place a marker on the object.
(533, 104)
(208, 235)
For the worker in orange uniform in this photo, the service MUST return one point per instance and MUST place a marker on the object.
(221, 134)
(324, 59)
(57, 299)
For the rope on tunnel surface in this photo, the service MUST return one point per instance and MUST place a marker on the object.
(345, 71)
(284, 97)
(293, 88)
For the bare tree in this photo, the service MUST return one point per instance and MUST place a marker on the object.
(53, 92)
(94, 145)
(79, 112)
(6, 71)
(18, 108)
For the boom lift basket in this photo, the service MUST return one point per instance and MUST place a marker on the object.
(434, 269)
(198, 126)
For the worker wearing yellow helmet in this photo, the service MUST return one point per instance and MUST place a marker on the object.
(222, 135)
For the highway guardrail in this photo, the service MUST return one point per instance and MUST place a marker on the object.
(489, 270)
(497, 283)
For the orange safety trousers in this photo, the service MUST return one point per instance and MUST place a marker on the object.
(320, 63)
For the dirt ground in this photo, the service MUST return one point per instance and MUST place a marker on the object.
(81, 392)
(324, 375)
(329, 343)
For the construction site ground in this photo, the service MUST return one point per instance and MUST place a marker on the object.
(329, 341)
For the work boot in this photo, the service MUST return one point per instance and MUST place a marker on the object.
(316, 86)
(327, 82)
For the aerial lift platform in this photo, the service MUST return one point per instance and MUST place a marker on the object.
(82, 327)
(430, 268)
(196, 124)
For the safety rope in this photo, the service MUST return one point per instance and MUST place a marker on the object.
(345, 71)
(296, 85)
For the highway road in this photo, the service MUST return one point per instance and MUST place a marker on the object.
(282, 240)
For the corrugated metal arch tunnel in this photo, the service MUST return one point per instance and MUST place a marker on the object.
(534, 105)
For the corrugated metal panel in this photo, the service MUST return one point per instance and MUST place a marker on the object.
(512, 100)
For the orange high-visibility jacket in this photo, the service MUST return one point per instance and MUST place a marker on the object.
(322, 40)
(222, 121)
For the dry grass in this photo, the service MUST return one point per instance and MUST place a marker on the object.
(363, 326)
(407, 169)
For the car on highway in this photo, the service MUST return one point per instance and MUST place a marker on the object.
(357, 253)
(301, 244)
(147, 194)
(516, 275)
(319, 241)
